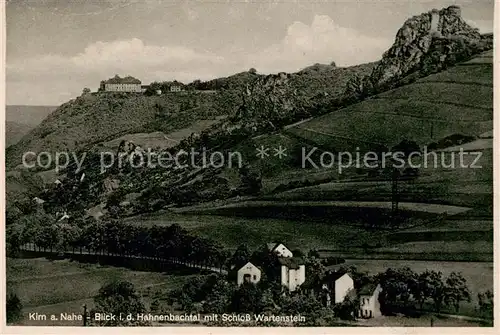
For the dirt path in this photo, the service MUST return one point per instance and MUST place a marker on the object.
(410, 206)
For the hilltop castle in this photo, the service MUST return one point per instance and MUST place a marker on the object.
(117, 84)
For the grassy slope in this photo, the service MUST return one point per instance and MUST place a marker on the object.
(160, 139)
(91, 119)
(54, 287)
(455, 186)
(233, 231)
(459, 100)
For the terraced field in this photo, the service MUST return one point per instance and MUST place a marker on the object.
(459, 100)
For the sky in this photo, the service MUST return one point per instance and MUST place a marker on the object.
(55, 48)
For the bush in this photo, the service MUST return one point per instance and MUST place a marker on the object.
(14, 309)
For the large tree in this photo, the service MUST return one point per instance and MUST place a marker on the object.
(247, 299)
(421, 287)
(347, 309)
(396, 284)
(241, 255)
(315, 272)
(47, 237)
(457, 290)
(437, 290)
(118, 298)
(406, 147)
(485, 302)
(218, 299)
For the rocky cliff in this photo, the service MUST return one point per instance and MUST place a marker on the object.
(442, 30)
(287, 97)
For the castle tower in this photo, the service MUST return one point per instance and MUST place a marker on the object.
(434, 21)
(455, 10)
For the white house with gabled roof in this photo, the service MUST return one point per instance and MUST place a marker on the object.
(369, 306)
(336, 286)
(248, 273)
(280, 249)
(293, 272)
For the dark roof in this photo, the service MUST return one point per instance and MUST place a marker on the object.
(332, 276)
(127, 80)
(367, 289)
(236, 267)
(291, 262)
(274, 245)
(240, 264)
(271, 246)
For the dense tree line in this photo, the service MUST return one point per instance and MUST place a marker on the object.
(408, 292)
(116, 238)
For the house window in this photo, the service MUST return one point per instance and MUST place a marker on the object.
(254, 277)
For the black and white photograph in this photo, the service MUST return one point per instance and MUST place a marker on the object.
(249, 163)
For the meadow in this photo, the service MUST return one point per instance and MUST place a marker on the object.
(457, 93)
(480, 74)
(62, 286)
(345, 130)
(460, 186)
(232, 231)
(458, 100)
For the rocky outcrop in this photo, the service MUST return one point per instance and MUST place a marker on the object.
(418, 36)
(270, 98)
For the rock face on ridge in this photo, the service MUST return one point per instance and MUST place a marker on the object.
(417, 37)
(272, 93)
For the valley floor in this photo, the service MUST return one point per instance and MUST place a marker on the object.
(63, 286)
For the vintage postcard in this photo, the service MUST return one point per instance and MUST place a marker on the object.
(264, 163)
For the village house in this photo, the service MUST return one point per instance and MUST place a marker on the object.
(248, 273)
(369, 306)
(336, 286)
(117, 84)
(293, 272)
(279, 249)
(176, 88)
